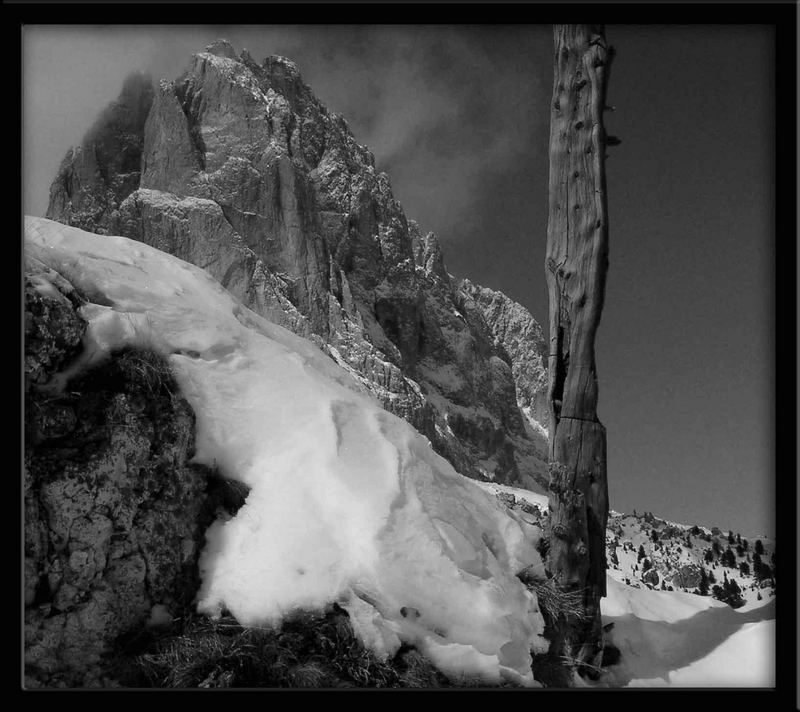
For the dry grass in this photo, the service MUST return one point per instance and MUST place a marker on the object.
(554, 670)
(146, 368)
(553, 602)
(308, 650)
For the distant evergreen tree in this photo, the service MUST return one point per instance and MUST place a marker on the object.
(716, 548)
(711, 577)
(739, 550)
(762, 571)
(708, 557)
(641, 553)
(731, 538)
(729, 593)
(654, 536)
(703, 582)
(744, 544)
(744, 568)
(728, 559)
(756, 561)
(695, 530)
(646, 565)
(759, 547)
(738, 538)
(759, 597)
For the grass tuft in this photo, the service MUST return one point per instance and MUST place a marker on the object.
(308, 650)
(553, 602)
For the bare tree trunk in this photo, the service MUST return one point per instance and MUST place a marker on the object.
(576, 267)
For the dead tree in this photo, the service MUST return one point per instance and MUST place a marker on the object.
(576, 267)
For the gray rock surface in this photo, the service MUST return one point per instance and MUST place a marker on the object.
(115, 515)
(686, 576)
(246, 174)
(95, 177)
(520, 336)
(651, 576)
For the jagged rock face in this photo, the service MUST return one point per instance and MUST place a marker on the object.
(651, 576)
(687, 576)
(246, 174)
(114, 515)
(97, 176)
(522, 339)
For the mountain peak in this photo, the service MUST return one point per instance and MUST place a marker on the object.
(222, 48)
(275, 61)
(243, 171)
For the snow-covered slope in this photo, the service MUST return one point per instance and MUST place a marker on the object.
(347, 502)
(674, 637)
(683, 640)
(650, 552)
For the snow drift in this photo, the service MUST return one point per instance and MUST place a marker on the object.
(347, 502)
(670, 638)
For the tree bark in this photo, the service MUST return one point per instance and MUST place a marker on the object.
(576, 267)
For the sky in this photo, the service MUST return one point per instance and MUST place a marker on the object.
(458, 117)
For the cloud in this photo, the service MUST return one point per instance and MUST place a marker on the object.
(444, 109)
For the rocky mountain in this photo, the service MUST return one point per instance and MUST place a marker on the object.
(238, 168)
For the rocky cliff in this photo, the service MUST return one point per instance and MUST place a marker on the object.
(520, 336)
(95, 177)
(237, 167)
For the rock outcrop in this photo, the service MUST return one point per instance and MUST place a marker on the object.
(95, 177)
(115, 515)
(520, 336)
(686, 576)
(246, 174)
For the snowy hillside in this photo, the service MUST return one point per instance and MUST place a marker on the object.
(682, 640)
(649, 552)
(348, 503)
(673, 636)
